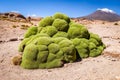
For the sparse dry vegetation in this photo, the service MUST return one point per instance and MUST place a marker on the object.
(25, 27)
(103, 22)
(15, 26)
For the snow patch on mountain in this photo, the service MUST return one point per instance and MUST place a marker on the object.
(106, 10)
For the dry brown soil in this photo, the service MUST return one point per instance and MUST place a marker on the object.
(104, 67)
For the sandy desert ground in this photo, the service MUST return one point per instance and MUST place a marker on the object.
(104, 67)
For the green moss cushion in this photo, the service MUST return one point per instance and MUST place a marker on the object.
(23, 44)
(45, 52)
(60, 24)
(87, 47)
(78, 31)
(61, 34)
(53, 48)
(82, 47)
(68, 49)
(61, 16)
(96, 45)
(50, 30)
(47, 21)
(31, 31)
(29, 57)
(58, 40)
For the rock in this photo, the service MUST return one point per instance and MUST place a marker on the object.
(113, 59)
(1, 41)
(12, 16)
(13, 39)
(1, 60)
(106, 36)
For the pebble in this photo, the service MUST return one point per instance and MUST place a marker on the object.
(1, 41)
(49, 70)
(112, 59)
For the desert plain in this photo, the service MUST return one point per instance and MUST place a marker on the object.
(104, 67)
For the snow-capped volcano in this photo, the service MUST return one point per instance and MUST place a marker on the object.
(103, 14)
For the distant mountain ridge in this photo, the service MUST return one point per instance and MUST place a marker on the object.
(12, 16)
(103, 15)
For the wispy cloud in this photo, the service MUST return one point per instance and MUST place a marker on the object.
(15, 11)
(32, 15)
(106, 10)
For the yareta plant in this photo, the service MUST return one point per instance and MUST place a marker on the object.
(58, 40)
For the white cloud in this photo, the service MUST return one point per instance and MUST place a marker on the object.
(106, 10)
(32, 15)
(15, 11)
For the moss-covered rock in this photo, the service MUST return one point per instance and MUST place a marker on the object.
(58, 40)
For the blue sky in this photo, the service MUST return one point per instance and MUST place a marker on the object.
(73, 8)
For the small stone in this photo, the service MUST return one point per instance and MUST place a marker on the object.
(13, 39)
(1, 61)
(113, 59)
(1, 41)
(49, 71)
